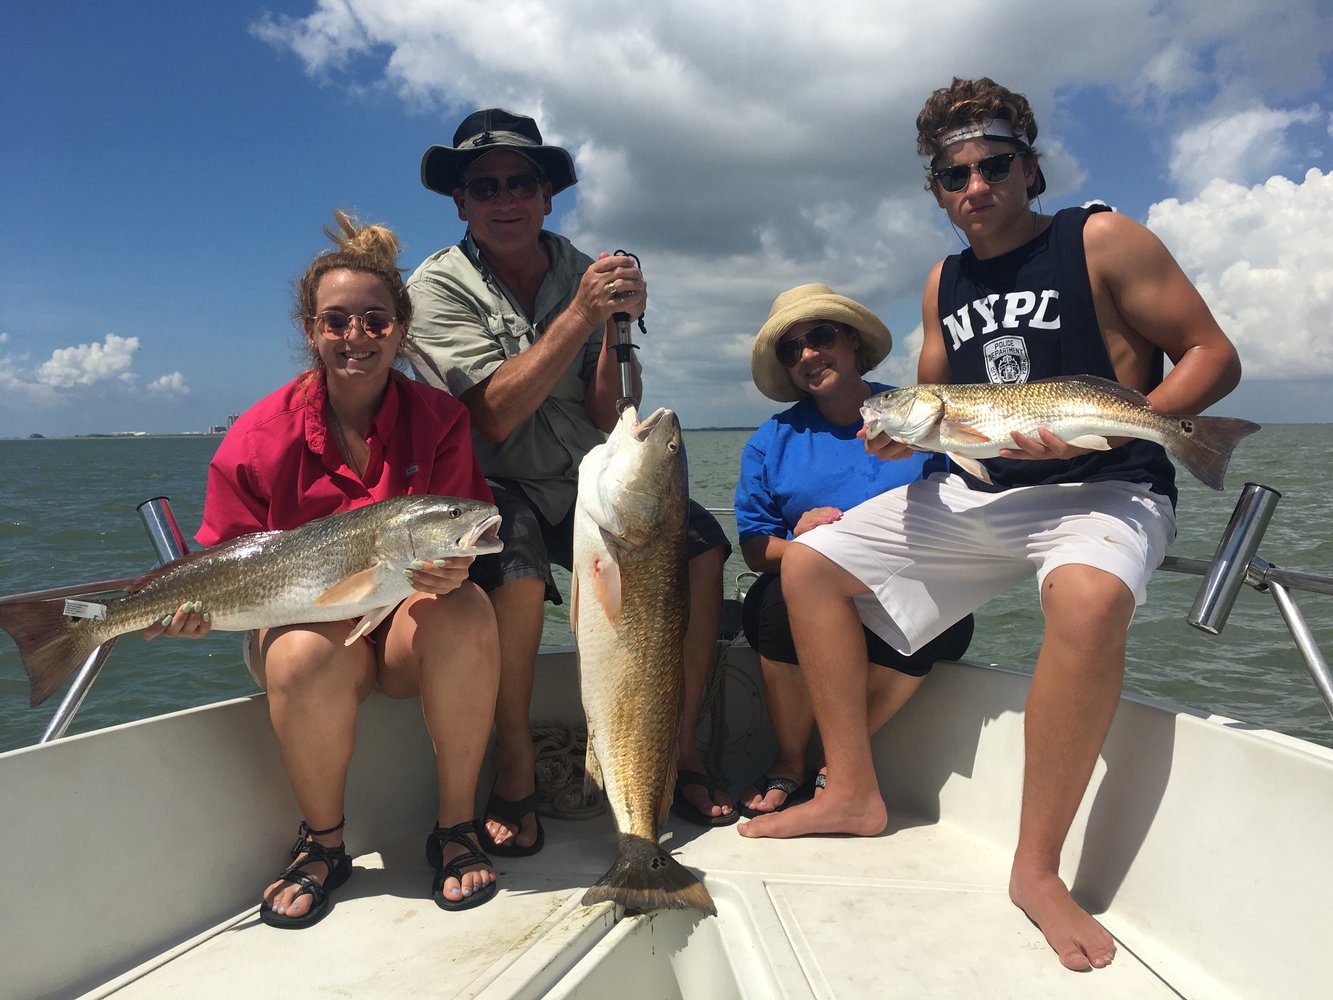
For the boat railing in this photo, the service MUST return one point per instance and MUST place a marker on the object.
(169, 544)
(1235, 564)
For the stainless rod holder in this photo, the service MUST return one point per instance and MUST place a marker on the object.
(1231, 562)
(1305, 642)
(165, 534)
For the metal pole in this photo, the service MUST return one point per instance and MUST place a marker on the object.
(169, 544)
(1305, 642)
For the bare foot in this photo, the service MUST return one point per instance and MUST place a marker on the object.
(709, 803)
(1080, 941)
(828, 813)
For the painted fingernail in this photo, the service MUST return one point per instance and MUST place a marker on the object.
(440, 563)
(198, 606)
(166, 620)
(208, 616)
(407, 573)
(417, 564)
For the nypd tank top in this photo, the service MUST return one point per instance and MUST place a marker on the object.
(1028, 315)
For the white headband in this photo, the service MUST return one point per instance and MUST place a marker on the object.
(996, 128)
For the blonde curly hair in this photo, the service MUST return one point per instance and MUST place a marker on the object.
(371, 249)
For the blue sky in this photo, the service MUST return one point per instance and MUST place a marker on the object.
(168, 167)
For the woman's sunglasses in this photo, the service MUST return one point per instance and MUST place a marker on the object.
(992, 169)
(817, 338)
(521, 186)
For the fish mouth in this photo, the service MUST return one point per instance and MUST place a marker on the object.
(644, 427)
(486, 532)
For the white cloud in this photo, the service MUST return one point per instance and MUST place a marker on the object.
(89, 364)
(1262, 260)
(171, 386)
(1242, 146)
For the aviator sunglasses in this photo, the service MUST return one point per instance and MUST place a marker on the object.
(818, 338)
(520, 186)
(992, 169)
(333, 325)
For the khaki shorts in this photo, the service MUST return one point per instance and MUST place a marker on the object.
(934, 551)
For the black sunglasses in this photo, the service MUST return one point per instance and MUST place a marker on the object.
(817, 339)
(521, 186)
(992, 169)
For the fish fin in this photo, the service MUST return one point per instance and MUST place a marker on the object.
(606, 584)
(356, 587)
(368, 623)
(592, 768)
(970, 465)
(964, 433)
(51, 646)
(1094, 441)
(645, 878)
(1204, 444)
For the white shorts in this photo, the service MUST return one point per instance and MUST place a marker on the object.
(934, 551)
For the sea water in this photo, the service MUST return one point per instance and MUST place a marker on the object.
(68, 516)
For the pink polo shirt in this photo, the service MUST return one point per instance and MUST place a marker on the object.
(279, 466)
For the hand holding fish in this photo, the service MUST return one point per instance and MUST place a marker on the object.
(890, 449)
(190, 621)
(1046, 446)
(438, 576)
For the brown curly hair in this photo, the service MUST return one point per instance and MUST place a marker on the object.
(372, 249)
(964, 102)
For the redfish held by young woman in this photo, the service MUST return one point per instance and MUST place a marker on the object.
(972, 422)
(346, 565)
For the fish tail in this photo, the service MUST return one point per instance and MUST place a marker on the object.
(645, 877)
(50, 645)
(1204, 444)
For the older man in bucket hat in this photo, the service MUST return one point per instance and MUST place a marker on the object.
(516, 323)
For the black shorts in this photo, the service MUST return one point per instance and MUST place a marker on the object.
(532, 544)
(768, 630)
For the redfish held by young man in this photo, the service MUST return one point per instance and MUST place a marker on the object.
(629, 611)
(346, 565)
(971, 422)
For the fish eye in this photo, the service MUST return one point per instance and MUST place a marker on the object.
(455, 512)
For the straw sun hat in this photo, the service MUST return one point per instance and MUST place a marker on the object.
(812, 302)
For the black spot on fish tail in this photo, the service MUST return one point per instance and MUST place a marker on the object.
(50, 645)
(645, 878)
(1204, 444)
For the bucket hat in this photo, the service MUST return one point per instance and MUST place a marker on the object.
(485, 131)
(811, 302)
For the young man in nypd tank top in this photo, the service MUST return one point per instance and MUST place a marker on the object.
(1033, 296)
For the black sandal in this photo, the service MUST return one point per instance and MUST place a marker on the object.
(686, 810)
(765, 784)
(334, 858)
(512, 811)
(454, 869)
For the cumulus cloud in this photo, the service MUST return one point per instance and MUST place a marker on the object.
(1240, 146)
(171, 386)
(88, 364)
(95, 367)
(746, 147)
(1261, 258)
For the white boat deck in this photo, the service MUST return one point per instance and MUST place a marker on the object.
(134, 859)
(918, 912)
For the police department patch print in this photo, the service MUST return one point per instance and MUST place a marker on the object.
(1007, 361)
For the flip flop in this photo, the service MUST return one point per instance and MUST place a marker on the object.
(764, 784)
(686, 810)
(512, 811)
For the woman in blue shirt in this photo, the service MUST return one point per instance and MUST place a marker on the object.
(801, 469)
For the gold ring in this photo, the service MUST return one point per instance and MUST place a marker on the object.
(611, 286)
